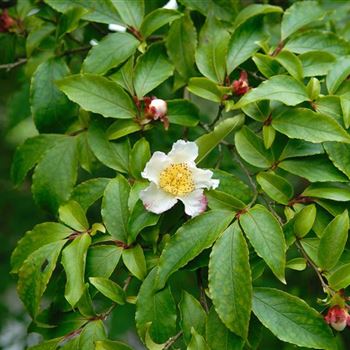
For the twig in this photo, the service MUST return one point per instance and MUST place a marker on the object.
(310, 262)
(75, 50)
(256, 76)
(172, 340)
(202, 297)
(9, 66)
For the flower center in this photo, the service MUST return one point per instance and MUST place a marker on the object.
(177, 179)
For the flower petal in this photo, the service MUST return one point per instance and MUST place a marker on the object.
(203, 178)
(158, 162)
(183, 152)
(156, 200)
(195, 202)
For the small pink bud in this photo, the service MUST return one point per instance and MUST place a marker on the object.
(158, 108)
(6, 21)
(241, 86)
(338, 318)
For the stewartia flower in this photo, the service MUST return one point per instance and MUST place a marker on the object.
(241, 86)
(6, 21)
(156, 108)
(174, 176)
(338, 317)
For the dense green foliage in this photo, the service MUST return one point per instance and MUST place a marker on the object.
(264, 94)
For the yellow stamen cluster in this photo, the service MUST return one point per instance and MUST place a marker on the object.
(177, 179)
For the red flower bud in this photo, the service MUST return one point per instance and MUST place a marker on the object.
(241, 86)
(6, 21)
(338, 317)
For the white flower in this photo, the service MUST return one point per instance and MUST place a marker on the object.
(174, 176)
(158, 108)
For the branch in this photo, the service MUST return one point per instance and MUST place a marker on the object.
(9, 66)
(172, 340)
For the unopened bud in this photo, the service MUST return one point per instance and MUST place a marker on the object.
(241, 86)
(338, 318)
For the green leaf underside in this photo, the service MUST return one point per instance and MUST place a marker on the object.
(109, 289)
(192, 238)
(336, 192)
(266, 236)
(230, 280)
(291, 319)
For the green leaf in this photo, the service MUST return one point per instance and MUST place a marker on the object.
(302, 123)
(266, 236)
(230, 282)
(51, 110)
(297, 264)
(70, 21)
(131, 12)
(339, 72)
(276, 187)
(222, 200)
(316, 63)
(102, 260)
(304, 220)
(338, 154)
(93, 331)
(115, 212)
(333, 241)
(110, 52)
(139, 156)
(151, 69)
(211, 50)
(291, 63)
(232, 185)
(134, 260)
(88, 192)
(317, 40)
(109, 289)
(99, 95)
(259, 111)
(111, 345)
(300, 148)
(330, 106)
(156, 307)
(181, 43)
(340, 278)
(73, 215)
(103, 12)
(73, 261)
(207, 142)
(183, 112)
(345, 106)
(157, 19)
(281, 88)
(220, 337)
(29, 153)
(35, 273)
(205, 88)
(244, 43)
(53, 184)
(335, 192)
(251, 148)
(114, 155)
(269, 135)
(314, 169)
(313, 88)
(267, 65)
(122, 128)
(42, 234)
(47, 345)
(291, 320)
(254, 10)
(37, 35)
(189, 240)
(124, 76)
(299, 15)
(192, 315)
(139, 219)
(197, 342)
